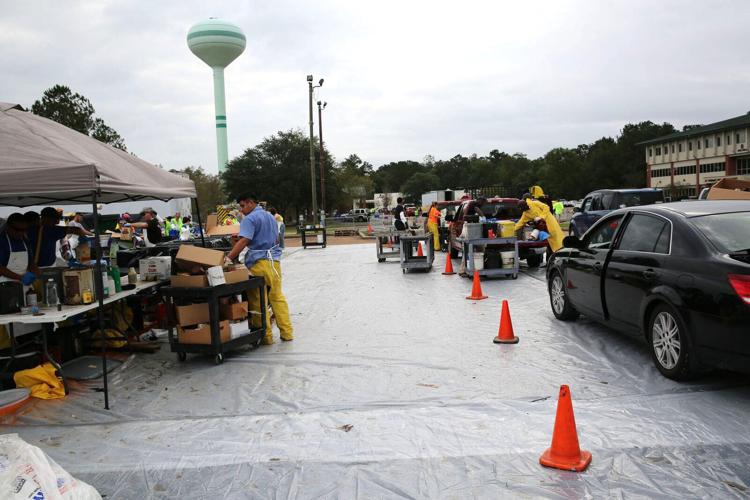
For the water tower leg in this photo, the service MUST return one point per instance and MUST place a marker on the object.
(221, 119)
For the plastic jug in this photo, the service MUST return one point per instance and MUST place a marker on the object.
(51, 293)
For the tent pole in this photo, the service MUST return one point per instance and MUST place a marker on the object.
(200, 224)
(100, 296)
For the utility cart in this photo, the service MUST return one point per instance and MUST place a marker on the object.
(211, 296)
(310, 236)
(386, 246)
(500, 244)
(409, 254)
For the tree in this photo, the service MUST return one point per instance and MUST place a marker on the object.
(418, 184)
(208, 190)
(391, 176)
(278, 171)
(75, 111)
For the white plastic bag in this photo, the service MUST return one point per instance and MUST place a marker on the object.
(26, 472)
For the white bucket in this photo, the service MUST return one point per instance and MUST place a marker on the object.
(478, 261)
(320, 238)
(508, 259)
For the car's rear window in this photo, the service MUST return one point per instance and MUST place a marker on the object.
(638, 198)
(501, 211)
(728, 232)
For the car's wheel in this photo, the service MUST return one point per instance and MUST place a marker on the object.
(669, 343)
(534, 260)
(558, 298)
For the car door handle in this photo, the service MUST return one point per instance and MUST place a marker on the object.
(649, 274)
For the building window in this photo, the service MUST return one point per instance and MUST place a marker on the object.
(743, 166)
(690, 145)
(661, 172)
(707, 143)
(729, 140)
(650, 151)
(707, 168)
(658, 151)
(685, 170)
(671, 148)
(718, 141)
(679, 147)
(698, 144)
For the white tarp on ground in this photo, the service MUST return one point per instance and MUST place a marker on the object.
(436, 409)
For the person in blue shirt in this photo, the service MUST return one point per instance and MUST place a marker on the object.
(259, 233)
(43, 237)
(15, 252)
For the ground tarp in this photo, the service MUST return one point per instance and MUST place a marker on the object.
(394, 389)
(43, 162)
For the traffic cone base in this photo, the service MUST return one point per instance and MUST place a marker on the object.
(505, 333)
(565, 453)
(548, 459)
(476, 289)
(448, 265)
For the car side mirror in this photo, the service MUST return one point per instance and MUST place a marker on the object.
(572, 242)
(449, 218)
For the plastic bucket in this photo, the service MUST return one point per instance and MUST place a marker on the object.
(508, 259)
(507, 229)
(478, 261)
(320, 238)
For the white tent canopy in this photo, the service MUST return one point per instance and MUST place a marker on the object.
(43, 162)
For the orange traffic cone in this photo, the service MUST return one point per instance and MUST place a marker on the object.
(476, 289)
(565, 453)
(370, 230)
(448, 265)
(419, 249)
(505, 333)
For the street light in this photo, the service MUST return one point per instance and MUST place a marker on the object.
(321, 107)
(312, 149)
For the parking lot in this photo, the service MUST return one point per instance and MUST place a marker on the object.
(393, 388)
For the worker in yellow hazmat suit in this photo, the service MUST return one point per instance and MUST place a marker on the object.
(534, 210)
(433, 224)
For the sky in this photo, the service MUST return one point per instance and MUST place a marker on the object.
(403, 79)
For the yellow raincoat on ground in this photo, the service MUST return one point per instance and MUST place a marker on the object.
(42, 381)
(541, 210)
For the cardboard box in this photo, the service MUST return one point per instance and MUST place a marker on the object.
(730, 189)
(187, 281)
(233, 312)
(215, 276)
(193, 314)
(202, 334)
(159, 266)
(236, 274)
(208, 257)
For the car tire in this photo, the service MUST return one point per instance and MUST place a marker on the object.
(534, 260)
(558, 299)
(669, 343)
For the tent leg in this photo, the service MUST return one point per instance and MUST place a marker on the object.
(100, 296)
(200, 224)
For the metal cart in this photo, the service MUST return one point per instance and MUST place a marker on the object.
(211, 295)
(385, 245)
(314, 231)
(469, 246)
(408, 252)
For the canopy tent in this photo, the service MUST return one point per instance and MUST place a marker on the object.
(42, 161)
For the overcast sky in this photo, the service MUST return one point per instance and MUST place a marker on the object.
(403, 79)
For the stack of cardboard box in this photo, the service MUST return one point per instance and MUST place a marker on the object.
(203, 267)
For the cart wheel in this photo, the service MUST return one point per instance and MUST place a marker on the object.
(403, 271)
(257, 343)
(219, 359)
(515, 276)
(324, 246)
(381, 260)
(182, 356)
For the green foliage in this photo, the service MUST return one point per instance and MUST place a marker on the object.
(419, 183)
(75, 111)
(208, 188)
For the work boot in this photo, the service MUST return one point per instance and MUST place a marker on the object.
(287, 339)
(268, 340)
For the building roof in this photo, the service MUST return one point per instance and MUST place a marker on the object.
(732, 123)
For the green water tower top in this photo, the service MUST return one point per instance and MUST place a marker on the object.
(216, 42)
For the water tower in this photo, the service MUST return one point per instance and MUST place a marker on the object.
(217, 43)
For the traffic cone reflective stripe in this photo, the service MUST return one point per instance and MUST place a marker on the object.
(565, 453)
(448, 265)
(419, 249)
(505, 332)
(476, 289)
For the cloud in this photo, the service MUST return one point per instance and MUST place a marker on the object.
(402, 79)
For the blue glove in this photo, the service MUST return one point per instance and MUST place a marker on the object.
(28, 278)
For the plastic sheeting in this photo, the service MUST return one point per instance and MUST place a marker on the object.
(394, 389)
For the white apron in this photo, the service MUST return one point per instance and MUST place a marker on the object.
(18, 262)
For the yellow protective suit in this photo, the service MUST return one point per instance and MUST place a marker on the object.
(271, 272)
(432, 226)
(541, 210)
(42, 381)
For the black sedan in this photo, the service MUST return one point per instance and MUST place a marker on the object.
(676, 275)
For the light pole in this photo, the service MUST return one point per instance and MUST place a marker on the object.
(312, 148)
(321, 107)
